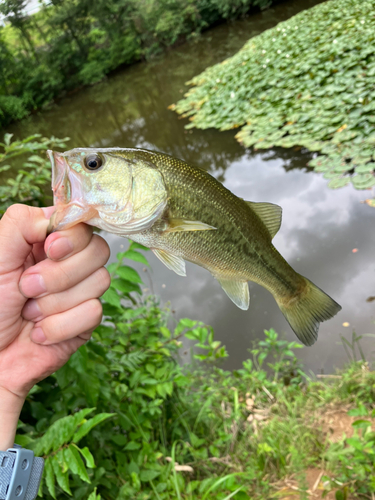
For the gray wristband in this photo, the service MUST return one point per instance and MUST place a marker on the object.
(20, 474)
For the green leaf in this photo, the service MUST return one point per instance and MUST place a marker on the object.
(87, 426)
(339, 183)
(136, 256)
(361, 423)
(148, 475)
(129, 274)
(62, 478)
(60, 432)
(50, 476)
(132, 445)
(112, 297)
(366, 168)
(135, 246)
(165, 332)
(188, 323)
(363, 181)
(75, 463)
(94, 495)
(90, 462)
(90, 384)
(23, 440)
(125, 286)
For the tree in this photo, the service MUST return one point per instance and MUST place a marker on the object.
(14, 11)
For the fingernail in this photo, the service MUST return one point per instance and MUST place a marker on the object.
(31, 310)
(60, 248)
(38, 336)
(32, 285)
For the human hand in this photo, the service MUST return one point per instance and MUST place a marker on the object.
(48, 296)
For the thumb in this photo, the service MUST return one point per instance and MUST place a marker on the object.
(21, 227)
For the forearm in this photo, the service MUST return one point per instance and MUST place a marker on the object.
(10, 409)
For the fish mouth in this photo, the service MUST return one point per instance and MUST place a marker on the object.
(60, 178)
(68, 212)
(61, 189)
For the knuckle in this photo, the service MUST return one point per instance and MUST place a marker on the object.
(62, 277)
(17, 211)
(57, 332)
(50, 304)
(57, 276)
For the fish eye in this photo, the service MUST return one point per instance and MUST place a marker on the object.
(93, 162)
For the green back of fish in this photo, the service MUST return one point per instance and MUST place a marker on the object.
(240, 248)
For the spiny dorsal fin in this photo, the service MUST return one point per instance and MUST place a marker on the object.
(237, 291)
(269, 213)
(173, 262)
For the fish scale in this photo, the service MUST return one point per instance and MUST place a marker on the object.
(183, 213)
(235, 224)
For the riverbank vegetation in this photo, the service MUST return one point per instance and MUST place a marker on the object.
(72, 43)
(308, 82)
(127, 419)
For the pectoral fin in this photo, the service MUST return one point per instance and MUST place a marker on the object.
(176, 264)
(270, 215)
(186, 225)
(237, 291)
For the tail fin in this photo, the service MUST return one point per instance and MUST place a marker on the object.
(305, 311)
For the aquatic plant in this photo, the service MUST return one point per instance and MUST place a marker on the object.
(307, 82)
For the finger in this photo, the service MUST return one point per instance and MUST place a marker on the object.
(49, 277)
(68, 324)
(92, 287)
(62, 244)
(21, 227)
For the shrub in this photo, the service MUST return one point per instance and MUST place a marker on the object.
(28, 185)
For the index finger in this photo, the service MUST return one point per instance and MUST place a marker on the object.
(63, 244)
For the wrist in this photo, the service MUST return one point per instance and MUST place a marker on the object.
(10, 409)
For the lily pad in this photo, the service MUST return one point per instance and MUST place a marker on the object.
(364, 169)
(363, 181)
(339, 183)
(312, 88)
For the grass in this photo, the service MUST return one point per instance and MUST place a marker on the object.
(308, 437)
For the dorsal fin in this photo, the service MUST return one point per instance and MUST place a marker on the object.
(269, 213)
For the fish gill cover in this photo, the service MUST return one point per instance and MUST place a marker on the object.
(307, 82)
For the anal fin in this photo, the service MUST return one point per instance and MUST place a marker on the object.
(237, 291)
(173, 262)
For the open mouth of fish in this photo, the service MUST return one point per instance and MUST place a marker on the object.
(60, 179)
(67, 196)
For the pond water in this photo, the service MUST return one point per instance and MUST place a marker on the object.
(320, 227)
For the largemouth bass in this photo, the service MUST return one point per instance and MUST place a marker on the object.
(183, 213)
